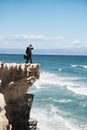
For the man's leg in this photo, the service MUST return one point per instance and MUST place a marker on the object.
(30, 58)
(27, 59)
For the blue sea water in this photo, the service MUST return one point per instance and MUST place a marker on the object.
(60, 101)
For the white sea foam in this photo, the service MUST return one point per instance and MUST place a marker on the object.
(80, 90)
(52, 120)
(74, 66)
(46, 78)
(62, 100)
(42, 119)
(60, 69)
(83, 66)
(53, 79)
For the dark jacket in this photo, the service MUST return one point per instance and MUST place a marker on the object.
(28, 50)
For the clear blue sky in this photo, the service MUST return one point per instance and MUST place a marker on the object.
(47, 24)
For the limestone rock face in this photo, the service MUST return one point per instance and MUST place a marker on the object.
(14, 82)
(16, 78)
(4, 123)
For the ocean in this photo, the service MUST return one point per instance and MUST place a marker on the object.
(60, 101)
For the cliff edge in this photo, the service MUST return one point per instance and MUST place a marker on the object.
(15, 104)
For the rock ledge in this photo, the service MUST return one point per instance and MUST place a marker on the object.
(15, 104)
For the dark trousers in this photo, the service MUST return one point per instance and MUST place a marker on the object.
(29, 57)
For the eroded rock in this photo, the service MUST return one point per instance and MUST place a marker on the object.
(14, 82)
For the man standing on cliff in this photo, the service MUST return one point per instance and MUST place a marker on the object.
(29, 53)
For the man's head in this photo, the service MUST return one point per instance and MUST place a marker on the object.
(30, 45)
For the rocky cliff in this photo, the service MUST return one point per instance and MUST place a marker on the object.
(15, 104)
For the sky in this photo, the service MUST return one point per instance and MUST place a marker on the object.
(56, 26)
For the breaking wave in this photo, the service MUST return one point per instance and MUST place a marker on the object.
(79, 91)
(82, 66)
